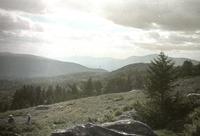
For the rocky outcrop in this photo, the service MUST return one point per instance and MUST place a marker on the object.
(130, 127)
(194, 98)
(127, 115)
(42, 107)
(119, 128)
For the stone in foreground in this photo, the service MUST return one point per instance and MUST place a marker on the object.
(118, 128)
(131, 127)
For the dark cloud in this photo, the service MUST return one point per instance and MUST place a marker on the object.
(31, 6)
(16, 38)
(86, 5)
(10, 22)
(163, 14)
(169, 47)
(25, 48)
(175, 38)
(181, 39)
(170, 41)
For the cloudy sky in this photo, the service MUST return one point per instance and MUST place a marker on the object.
(100, 28)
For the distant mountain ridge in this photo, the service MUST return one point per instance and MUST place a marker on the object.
(29, 66)
(113, 64)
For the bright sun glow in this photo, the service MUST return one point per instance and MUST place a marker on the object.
(99, 28)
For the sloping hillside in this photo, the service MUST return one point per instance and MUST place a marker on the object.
(97, 109)
(188, 85)
(28, 66)
(61, 115)
(129, 69)
(149, 58)
(113, 64)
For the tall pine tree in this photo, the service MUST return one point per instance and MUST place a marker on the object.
(157, 110)
(161, 74)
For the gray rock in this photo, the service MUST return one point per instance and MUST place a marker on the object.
(127, 115)
(194, 98)
(89, 130)
(42, 107)
(131, 127)
(118, 128)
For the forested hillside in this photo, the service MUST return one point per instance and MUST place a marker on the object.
(18, 66)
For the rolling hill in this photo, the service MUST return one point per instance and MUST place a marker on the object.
(131, 70)
(45, 120)
(113, 64)
(29, 66)
(136, 67)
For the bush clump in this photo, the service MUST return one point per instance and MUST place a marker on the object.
(192, 128)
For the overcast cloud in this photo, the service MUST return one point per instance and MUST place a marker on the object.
(31, 6)
(11, 22)
(178, 15)
(100, 28)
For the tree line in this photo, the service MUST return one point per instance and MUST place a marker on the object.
(189, 69)
(29, 95)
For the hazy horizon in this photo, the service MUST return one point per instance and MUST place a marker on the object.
(71, 58)
(100, 28)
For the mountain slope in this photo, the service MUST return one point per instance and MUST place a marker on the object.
(98, 109)
(131, 70)
(113, 64)
(28, 66)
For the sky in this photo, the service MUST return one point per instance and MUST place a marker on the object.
(100, 28)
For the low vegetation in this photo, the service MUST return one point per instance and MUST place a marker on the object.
(96, 109)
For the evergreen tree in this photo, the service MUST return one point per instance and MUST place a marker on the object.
(38, 95)
(187, 68)
(161, 74)
(128, 84)
(50, 95)
(74, 93)
(98, 87)
(119, 84)
(138, 80)
(58, 93)
(89, 88)
(159, 107)
(197, 69)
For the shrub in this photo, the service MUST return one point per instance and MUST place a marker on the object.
(192, 128)
(127, 108)
(108, 117)
(150, 114)
(165, 133)
(92, 120)
(118, 113)
(178, 109)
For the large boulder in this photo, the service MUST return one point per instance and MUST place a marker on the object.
(119, 128)
(131, 127)
(89, 130)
